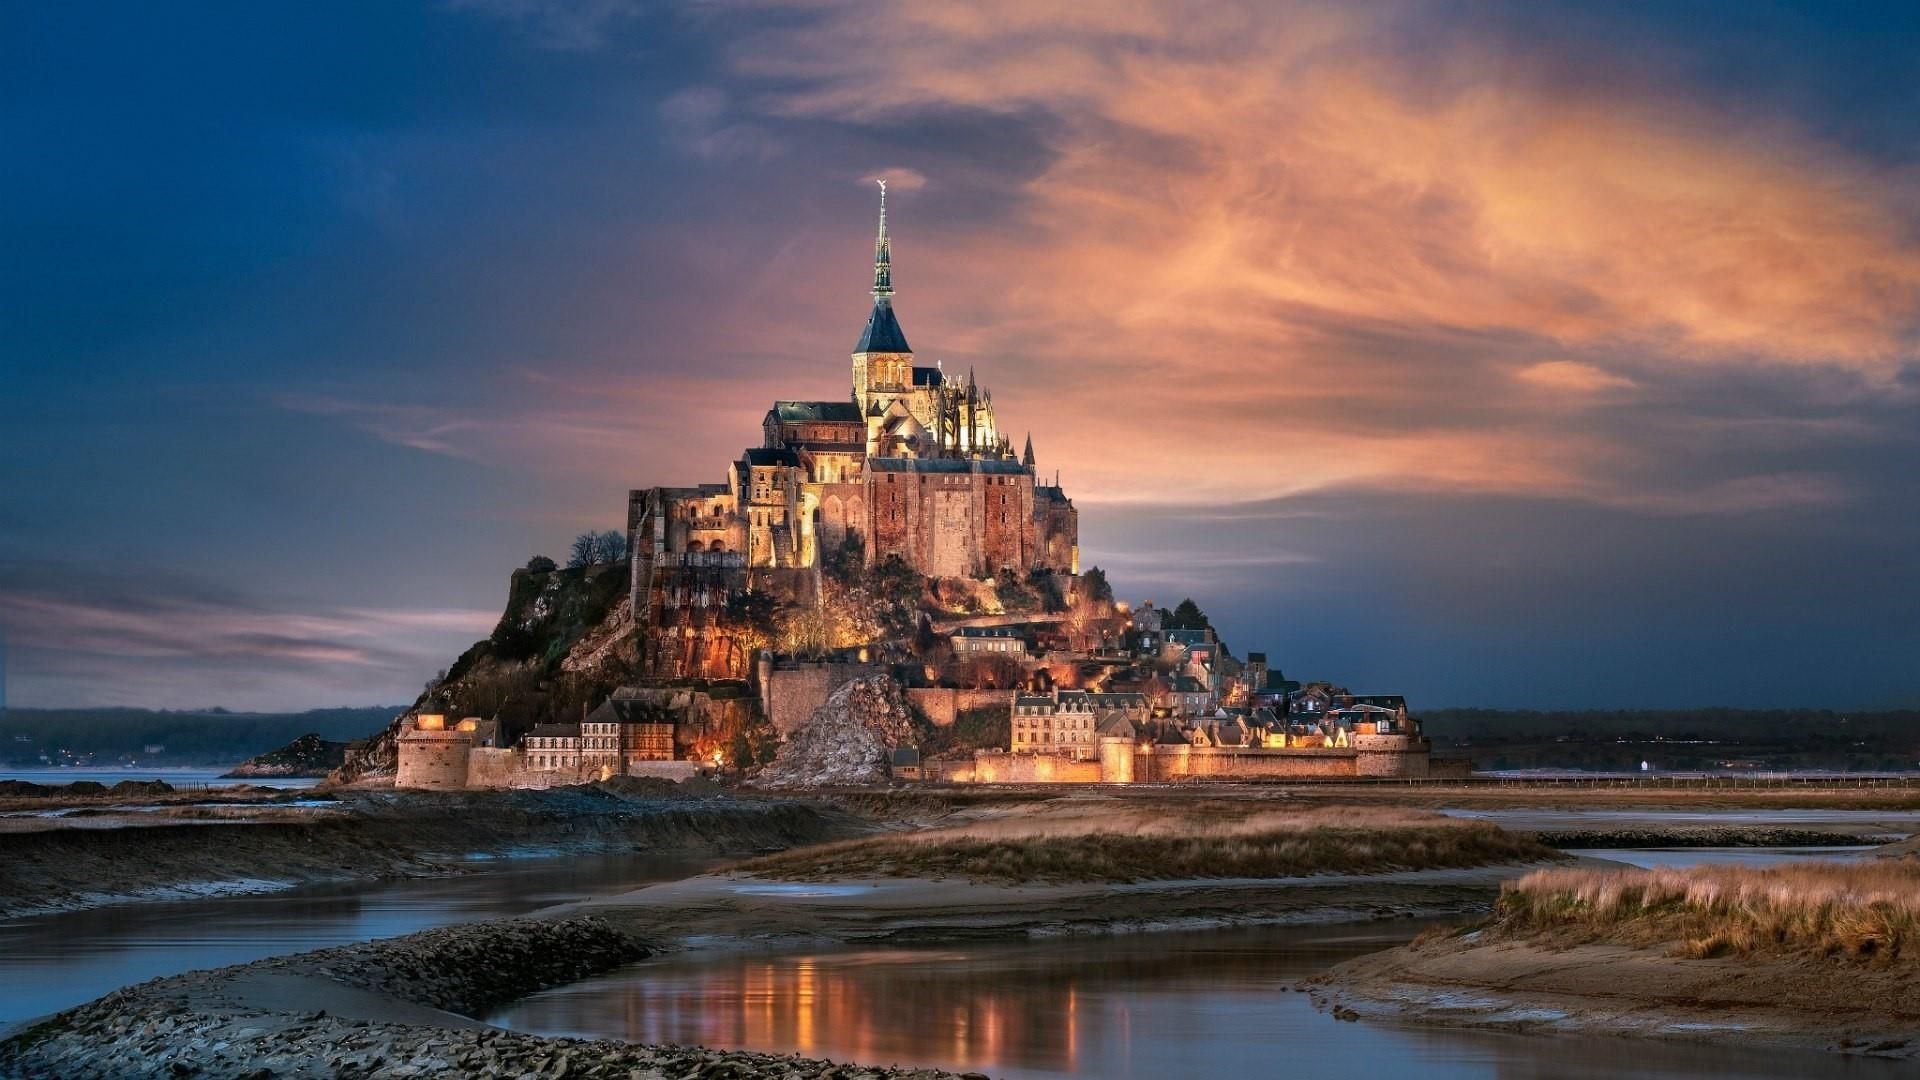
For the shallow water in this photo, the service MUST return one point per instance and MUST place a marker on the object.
(1200, 1005)
(185, 779)
(50, 962)
(1676, 858)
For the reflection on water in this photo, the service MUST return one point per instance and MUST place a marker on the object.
(51, 962)
(1168, 1005)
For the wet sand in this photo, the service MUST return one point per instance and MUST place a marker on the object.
(1597, 989)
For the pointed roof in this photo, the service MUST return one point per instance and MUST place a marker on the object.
(1027, 458)
(883, 333)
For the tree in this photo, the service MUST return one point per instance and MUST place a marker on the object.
(583, 550)
(1096, 587)
(896, 588)
(1187, 616)
(609, 547)
(540, 564)
(755, 617)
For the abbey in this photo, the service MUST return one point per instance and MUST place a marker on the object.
(913, 463)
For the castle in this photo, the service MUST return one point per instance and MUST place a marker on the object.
(913, 464)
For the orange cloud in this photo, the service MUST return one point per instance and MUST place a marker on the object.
(1300, 258)
(1572, 377)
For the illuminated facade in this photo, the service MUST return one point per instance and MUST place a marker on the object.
(912, 464)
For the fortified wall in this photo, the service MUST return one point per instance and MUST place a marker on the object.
(1120, 761)
(435, 757)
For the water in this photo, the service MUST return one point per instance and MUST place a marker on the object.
(1678, 858)
(1214, 1004)
(50, 962)
(180, 778)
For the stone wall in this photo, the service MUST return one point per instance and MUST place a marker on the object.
(790, 691)
(1001, 767)
(943, 704)
(491, 767)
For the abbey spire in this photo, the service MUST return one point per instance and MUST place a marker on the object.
(882, 255)
(883, 333)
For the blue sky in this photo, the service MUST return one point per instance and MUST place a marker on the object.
(1503, 354)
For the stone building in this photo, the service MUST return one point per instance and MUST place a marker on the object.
(553, 748)
(980, 640)
(913, 463)
(1072, 722)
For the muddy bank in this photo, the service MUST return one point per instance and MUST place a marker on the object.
(401, 1007)
(178, 852)
(1603, 989)
(727, 910)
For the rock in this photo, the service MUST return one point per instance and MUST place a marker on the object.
(848, 740)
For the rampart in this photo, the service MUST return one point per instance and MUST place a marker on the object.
(943, 704)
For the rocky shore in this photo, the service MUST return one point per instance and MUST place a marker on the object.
(397, 1008)
(73, 862)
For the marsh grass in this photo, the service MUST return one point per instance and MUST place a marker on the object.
(1138, 845)
(1867, 911)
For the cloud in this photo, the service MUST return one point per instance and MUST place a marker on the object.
(170, 634)
(898, 178)
(1572, 377)
(699, 120)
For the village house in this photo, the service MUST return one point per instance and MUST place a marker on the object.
(977, 640)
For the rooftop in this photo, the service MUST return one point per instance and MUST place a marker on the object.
(883, 333)
(844, 411)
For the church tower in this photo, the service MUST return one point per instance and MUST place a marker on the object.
(882, 360)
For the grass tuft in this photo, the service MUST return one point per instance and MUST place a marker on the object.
(1865, 911)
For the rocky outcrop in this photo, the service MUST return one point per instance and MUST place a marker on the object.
(848, 741)
(308, 755)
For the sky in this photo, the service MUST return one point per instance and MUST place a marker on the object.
(1517, 354)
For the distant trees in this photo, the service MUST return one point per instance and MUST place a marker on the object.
(1096, 586)
(597, 549)
(540, 564)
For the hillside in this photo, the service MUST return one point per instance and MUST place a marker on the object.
(563, 643)
(308, 755)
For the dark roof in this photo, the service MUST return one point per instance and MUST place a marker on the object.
(629, 711)
(1256, 658)
(1187, 637)
(843, 411)
(760, 455)
(987, 632)
(905, 755)
(554, 731)
(928, 376)
(883, 333)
